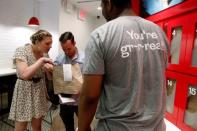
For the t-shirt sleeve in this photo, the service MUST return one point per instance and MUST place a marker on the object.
(19, 54)
(94, 58)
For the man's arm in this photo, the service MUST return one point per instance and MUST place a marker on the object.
(88, 100)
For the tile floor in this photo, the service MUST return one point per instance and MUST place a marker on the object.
(57, 125)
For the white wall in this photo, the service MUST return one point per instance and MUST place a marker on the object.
(49, 20)
(81, 29)
(14, 32)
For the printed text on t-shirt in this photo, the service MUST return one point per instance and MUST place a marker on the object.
(126, 49)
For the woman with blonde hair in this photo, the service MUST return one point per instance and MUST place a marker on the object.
(29, 103)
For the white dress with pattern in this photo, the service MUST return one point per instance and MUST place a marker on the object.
(29, 98)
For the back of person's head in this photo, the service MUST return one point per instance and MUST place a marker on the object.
(66, 36)
(111, 9)
(121, 3)
(39, 36)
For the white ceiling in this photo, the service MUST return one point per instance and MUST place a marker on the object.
(89, 6)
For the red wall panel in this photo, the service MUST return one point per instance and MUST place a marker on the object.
(182, 15)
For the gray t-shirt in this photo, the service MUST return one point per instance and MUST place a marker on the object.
(131, 54)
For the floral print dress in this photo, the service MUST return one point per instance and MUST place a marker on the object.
(30, 96)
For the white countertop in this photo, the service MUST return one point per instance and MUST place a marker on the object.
(7, 71)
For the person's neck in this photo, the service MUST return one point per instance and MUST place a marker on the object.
(37, 53)
(127, 12)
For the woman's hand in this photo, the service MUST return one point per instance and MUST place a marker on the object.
(48, 67)
(26, 72)
(44, 60)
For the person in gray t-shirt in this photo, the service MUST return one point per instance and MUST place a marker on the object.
(124, 73)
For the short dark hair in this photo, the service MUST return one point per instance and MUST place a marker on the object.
(66, 36)
(121, 3)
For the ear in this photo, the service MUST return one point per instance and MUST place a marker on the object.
(109, 6)
(74, 43)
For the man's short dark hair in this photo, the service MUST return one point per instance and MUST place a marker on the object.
(121, 3)
(66, 36)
